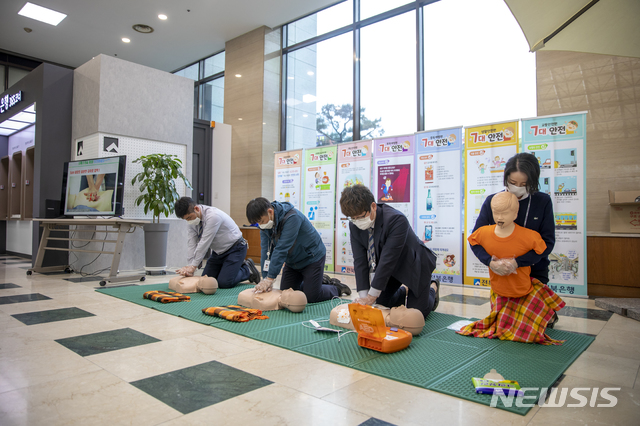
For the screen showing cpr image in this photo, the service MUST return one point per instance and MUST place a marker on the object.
(394, 183)
(91, 186)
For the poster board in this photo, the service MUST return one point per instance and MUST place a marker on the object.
(393, 160)
(438, 214)
(487, 149)
(559, 142)
(320, 195)
(287, 177)
(354, 167)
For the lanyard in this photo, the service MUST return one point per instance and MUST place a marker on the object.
(526, 216)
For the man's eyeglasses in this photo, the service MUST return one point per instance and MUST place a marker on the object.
(361, 216)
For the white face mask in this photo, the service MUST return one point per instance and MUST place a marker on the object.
(267, 225)
(194, 221)
(363, 223)
(518, 191)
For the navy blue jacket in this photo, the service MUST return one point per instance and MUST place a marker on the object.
(299, 244)
(401, 255)
(540, 220)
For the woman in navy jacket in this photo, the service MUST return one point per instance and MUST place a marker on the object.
(521, 177)
(287, 237)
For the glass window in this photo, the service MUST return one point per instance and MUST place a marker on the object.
(388, 77)
(211, 106)
(2, 78)
(213, 65)
(191, 72)
(15, 75)
(320, 93)
(320, 23)
(369, 8)
(478, 73)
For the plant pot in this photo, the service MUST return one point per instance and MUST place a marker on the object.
(155, 246)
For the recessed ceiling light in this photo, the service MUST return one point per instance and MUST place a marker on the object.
(240, 119)
(290, 78)
(126, 40)
(238, 75)
(42, 14)
(163, 17)
(305, 115)
(310, 73)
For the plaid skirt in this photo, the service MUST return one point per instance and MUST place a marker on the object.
(235, 313)
(522, 319)
(165, 296)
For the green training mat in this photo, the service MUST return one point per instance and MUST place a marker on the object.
(438, 359)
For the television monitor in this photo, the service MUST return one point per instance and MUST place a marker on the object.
(93, 187)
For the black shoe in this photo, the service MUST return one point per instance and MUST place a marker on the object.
(435, 303)
(254, 276)
(554, 320)
(342, 288)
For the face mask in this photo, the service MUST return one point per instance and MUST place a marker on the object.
(363, 223)
(194, 221)
(518, 191)
(267, 225)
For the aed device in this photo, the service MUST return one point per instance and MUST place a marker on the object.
(373, 333)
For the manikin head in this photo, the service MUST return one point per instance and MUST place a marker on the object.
(273, 300)
(504, 206)
(408, 319)
(205, 284)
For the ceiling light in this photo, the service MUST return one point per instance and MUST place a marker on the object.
(142, 28)
(31, 108)
(290, 78)
(308, 98)
(42, 14)
(305, 115)
(240, 119)
(24, 117)
(310, 73)
(163, 17)
(238, 75)
(126, 40)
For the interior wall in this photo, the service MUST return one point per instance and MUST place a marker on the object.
(243, 110)
(608, 88)
(149, 111)
(221, 167)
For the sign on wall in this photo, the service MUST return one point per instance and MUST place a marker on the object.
(287, 177)
(354, 167)
(438, 199)
(487, 149)
(320, 195)
(559, 144)
(393, 173)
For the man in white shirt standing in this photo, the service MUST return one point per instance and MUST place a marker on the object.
(210, 227)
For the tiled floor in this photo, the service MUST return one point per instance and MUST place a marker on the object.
(69, 355)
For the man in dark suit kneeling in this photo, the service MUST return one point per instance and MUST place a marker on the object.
(387, 254)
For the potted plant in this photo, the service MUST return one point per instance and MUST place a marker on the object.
(158, 188)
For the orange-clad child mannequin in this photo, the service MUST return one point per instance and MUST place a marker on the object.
(516, 299)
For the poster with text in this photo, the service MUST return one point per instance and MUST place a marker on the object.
(487, 149)
(559, 143)
(354, 167)
(287, 179)
(320, 195)
(393, 161)
(438, 184)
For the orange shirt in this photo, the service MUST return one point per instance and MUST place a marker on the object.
(521, 241)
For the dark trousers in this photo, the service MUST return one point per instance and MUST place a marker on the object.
(309, 280)
(395, 295)
(228, 268)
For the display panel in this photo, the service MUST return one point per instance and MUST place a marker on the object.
(93, 187)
